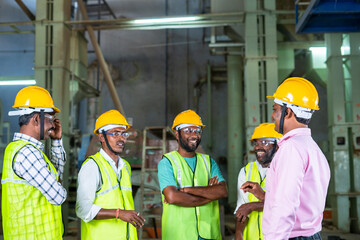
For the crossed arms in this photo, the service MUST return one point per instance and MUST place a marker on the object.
(196, 196)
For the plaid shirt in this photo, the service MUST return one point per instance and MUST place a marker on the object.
(30, 165)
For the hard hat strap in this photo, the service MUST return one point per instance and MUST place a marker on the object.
(42, 124)
(282, 118)
(107, 143)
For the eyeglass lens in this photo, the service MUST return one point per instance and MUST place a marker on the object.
(197, 131)
(262, 143)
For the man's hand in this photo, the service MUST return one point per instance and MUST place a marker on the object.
(214, 181)
(56, 132)
(132, 217)
(242, 212)
(255, 189)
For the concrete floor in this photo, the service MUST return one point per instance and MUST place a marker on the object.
(329, 232)
(326, 235)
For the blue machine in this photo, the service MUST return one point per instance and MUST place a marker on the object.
(328, 16)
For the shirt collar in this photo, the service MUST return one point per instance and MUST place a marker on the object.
(295, 132)
(111, 161)
(24, 137)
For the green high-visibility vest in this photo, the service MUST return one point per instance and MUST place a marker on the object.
(253, 229)
(189, 223)
(112, 195)
(26, 213)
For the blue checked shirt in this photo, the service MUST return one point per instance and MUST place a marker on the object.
(30, 165)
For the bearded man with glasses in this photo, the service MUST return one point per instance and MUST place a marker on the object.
(104, 196)
(191, 185)
(249, 208)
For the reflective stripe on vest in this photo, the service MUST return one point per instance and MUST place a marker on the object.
(253, 229)
(112, 195)
(21, 201)
(190, 222)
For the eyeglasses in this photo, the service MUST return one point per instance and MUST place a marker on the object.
(50, 117)
(197, 131)
(261, 143)
(118, 134)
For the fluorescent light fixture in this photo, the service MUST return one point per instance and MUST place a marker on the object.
(318, 49)
(165, 20)
(17, 82)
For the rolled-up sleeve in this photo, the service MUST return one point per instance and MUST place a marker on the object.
(242, 197)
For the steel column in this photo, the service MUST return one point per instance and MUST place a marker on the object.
(338, 133)
(261, 68)
(354, 40)
(251, 76)
(52, 66)
(235, 121)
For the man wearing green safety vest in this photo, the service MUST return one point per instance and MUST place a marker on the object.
(249, 208)
(191, 184)
(104, 195)
(32, 193)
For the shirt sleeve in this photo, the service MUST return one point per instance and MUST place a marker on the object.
(242, 197)
(215, 171)
(166, 174)
(89, 183)
(58, 156)
(283, 195)
(30, 165)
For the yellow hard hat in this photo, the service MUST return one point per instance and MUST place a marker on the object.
(187, 117)
(33, 99)
(298, 91)
(265, 130)
(112, 117)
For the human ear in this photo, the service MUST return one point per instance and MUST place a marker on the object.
(36, 119)
(289, 113)
(177, 135)
(101, 137)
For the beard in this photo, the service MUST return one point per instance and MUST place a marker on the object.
(266, 158)
(184, 143)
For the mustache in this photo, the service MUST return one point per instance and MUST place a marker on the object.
(193, 138)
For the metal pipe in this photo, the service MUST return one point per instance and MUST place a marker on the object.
(235, 121)
(25, 9)
(102, 62)
(209, 117)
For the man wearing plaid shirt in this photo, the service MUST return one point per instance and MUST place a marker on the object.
(32, 192)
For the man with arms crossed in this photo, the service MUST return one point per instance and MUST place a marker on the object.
(191, 184)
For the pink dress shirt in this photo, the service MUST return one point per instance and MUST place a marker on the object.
(296, 187)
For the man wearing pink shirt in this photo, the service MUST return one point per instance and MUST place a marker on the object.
(298, 177)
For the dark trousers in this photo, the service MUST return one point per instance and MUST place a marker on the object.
(316, 236)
